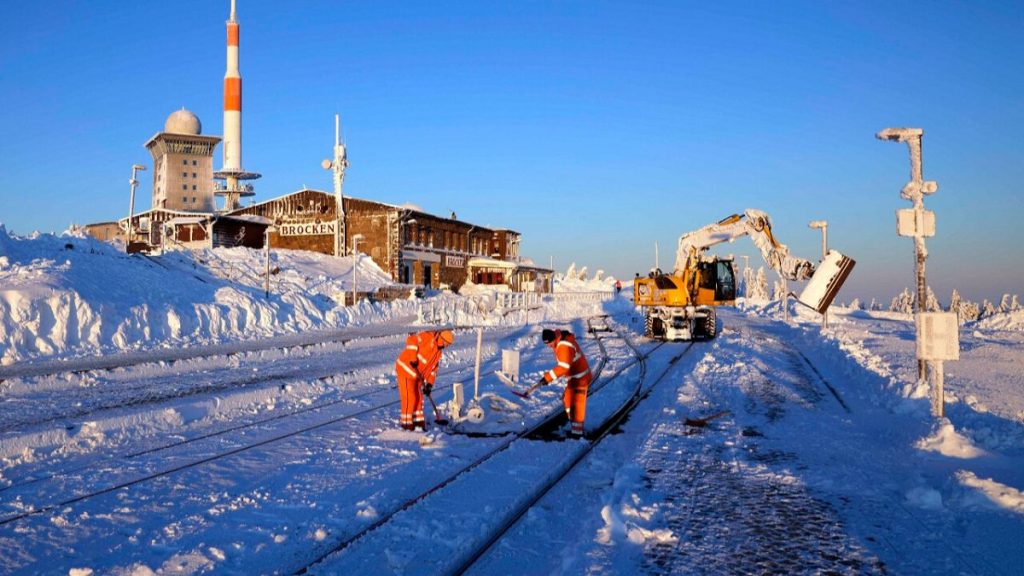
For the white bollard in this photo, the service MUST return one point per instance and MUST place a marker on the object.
(455, 409)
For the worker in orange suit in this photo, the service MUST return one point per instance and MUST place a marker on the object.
(416, 369)
(572, 365)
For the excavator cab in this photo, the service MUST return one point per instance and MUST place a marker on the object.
(716, 284)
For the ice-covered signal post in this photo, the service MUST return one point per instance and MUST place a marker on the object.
(823, 226)
(938, 337)
(338, 165)
(131, 204)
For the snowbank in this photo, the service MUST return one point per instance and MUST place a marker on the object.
(72, 294)
(1003, 321)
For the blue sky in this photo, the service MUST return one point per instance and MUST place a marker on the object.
(594, 128)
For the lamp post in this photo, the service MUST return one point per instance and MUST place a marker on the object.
(338, 165)
(823, 226)
(355, 263)
(131, 204)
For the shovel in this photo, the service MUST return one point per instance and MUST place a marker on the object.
(703, 422)
(529, 390)
(437, 413)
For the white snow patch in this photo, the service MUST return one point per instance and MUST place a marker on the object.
(947, 441)
(1000, 495)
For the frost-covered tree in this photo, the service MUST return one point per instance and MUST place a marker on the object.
(855, 305)
(759, 287)
(778, 290)
(903, 302)
(954, 301)
(599, 275)
(570, 273)
(874, 305)
(1004, 304)
(988, 309)
(969, 311)
(932, 303)
(582, 274)
(1014, 304)
(748, 282)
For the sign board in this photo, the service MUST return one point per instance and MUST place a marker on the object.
(911, 222)
(455, 261)
(510, 363)
(827, 280)
(938, 336)
(307, 228)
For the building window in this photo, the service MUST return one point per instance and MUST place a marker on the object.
(184, 186)
(184, 199)
(184, 174)
(194, 200)
(193, 187)
(193, 174)
(184, 162)
(193, 162)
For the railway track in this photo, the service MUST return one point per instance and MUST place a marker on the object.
(126, 461)
(359, 551)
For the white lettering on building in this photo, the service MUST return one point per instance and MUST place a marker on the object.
(455, 261)
(306, 229)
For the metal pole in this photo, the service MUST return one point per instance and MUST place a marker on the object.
(266, 245)
(476, 374)
(823, 226)
(355, 264)
(131, 204)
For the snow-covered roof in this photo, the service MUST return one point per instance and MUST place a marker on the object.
(482, 262)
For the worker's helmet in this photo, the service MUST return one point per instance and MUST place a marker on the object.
(547, 336)
(445, 338)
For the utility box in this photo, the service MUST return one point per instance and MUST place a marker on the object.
(510, 364)
(911, 222)
(938, 336)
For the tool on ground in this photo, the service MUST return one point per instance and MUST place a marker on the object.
(438, 419)
(703, 422)
(529, 390)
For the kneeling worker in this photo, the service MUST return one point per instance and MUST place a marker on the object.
(416, 369)
(572, 364)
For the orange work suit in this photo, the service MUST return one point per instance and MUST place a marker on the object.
(572, 364)
(415, 365)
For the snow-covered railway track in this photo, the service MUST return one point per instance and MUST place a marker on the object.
(516, 493)
(126, 462)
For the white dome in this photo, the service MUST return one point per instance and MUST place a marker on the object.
(183, 122)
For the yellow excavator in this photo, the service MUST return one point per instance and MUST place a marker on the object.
(681, 305)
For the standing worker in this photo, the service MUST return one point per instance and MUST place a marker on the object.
(618, 287)
(572, 364)
(416, 369)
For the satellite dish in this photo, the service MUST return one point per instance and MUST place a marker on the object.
(326, 164)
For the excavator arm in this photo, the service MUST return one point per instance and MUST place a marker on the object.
(753, 223)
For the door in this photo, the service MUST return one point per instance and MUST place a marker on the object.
(428, 276)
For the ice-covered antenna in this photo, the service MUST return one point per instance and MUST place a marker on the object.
(899, 134)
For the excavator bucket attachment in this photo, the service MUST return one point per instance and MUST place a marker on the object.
(826, 282)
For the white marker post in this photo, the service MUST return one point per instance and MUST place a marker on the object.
(476, 375)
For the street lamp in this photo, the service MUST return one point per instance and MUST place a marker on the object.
(131, 204)
(355, 263)
(823, 226)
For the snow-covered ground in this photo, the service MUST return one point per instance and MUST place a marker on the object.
(272, 443)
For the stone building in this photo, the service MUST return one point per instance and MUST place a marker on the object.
(183, 165)
(413, 246)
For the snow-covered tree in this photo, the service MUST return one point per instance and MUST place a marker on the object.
(599, 275)
(988, 309)
(759, 287)
(931, 302)
(778, 290)
(748, 282)
(954, 301)
(903, 302)
(1004, 304)
(1014, 304)
(582, 275)
(570, 273)
(855, 305)
(874, 305)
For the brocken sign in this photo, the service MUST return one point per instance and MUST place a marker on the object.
(306, 229)
(455, 261)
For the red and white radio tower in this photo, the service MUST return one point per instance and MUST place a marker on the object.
(232, 173)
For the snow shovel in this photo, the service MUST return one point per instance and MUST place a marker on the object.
(703, 422)
(529, 390)
(437, 413)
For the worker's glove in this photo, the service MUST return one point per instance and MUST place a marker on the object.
(427, 388)
(542, 382)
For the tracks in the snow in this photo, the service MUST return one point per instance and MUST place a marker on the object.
(61, 502)
(461, 481)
